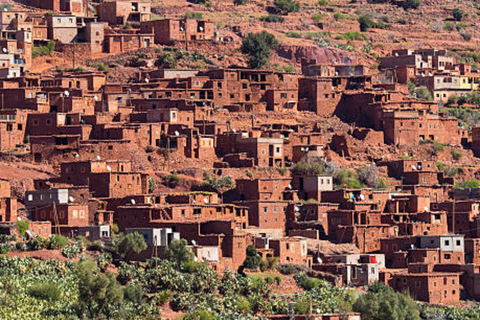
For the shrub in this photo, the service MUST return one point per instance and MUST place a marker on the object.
(263, 266)
(167, 60)
(71, 251)
(253, 259)
(286, 6)
(448, 26)
(152, 185)
(21, 246)
(272, 18)
(317, 17)
(130, 243)
(437, 146)
(179, 252)
(423, 93)
(350, 35)
(278, 280)
(214, 184)
(172, 179)
(22, 227)
(468, 184)
(163, 296)
(249, 174)
(440, 166)
(45, 290)
(43, 50)
(133, 293)
(322, 2)
(240, 2)
(338, 16)
(104, 260)
(457, 14)
(308, 168)
(259, 47)
(460, 26)
(365, 23)
(451, 171)
(36, 243)
(193, 15)
(268, 280)
(467, 36)
(456, 155)
(55, 242)
(5, 248)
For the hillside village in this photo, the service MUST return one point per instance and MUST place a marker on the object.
(151, 139)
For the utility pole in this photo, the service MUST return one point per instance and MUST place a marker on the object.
(186, 36)
(453, 213)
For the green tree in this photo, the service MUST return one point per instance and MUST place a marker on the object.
(253, 259)
(365, 23)
(457, 14)
(131, 243)
(259, 47)
(48, 291)
(286, 6)
(200, 315)
(423, 93)
(179, 252)
(152, 185)
(22, 227)
(99, 294)
(382, 303)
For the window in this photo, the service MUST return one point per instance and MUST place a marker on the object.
(447, 242)
(75, 213)
(459, 243)
(265, 209)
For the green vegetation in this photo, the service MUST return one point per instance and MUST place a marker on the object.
(440, 165)
(272, 18)
(22, 227)
(152, 185)
(253, 259)
(286, 6)
(467, 117)
(214, 184)
(56, 241)
(99, 66)
(240, 2)
(259, 47)
(172, 179)
(382, 303)
(130, 243)
(451, 171)
(423, 93)
(45, 291)
(366, 22)
(6, 6)
(43, 50)
(448, 26)
(437, 146)
(460, 26)
(338, 16)
(468, 184)
(193, 15)
(456, 155)
(317, 17)
(179, 253)
(457, 14)
(350, 35)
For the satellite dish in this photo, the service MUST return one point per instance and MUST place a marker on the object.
(396, 54)
(297, 209)
(177, 133)
(19, 218)
(96, 98)
(195, 259)
(132, 201)
(194, 202)
(4, 50)
(362, 197)
(233, 130)
(201, 28)
(205, 200)
(194, 242)
(146, 80)
(84, 24)
(319, 260)
(109, 168)
(318, 311)
(66, 93)
(99, 158)
(290, 186)
(413, 167)
(71, 199)
(76, 155)
(133, 8)
(425, 208)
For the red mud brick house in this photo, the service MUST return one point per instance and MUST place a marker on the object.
(167, 31)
